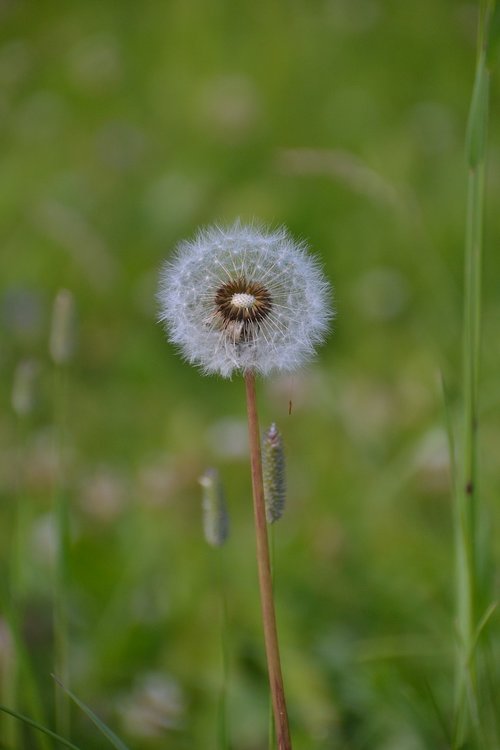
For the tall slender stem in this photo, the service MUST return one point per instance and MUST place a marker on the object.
(61, 346)
(222, 722)
(468, 506)
(264, 568)
(61, 646)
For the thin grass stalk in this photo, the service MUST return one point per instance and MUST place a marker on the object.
(39, 727)
(216, 529)
(264, 570)
(94, 718)
(20, 685)
(22, 672)
(61, 647)
(11, 686)
(30, 689)
(61, 346)
(222, 728)
(21, 517)
(467, 498)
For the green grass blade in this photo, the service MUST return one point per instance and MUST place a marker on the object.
(493, 50)
(103, 728)
(468, 705)
(443, 723)
(35, 725)
(478, 116)
(31, 693)
(485, 619)
(450, 435)
(60, 503)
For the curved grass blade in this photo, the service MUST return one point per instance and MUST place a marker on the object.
(103, 728)
(439, 713)
(493, 42)
(32, 696)
(35, 725)
(484, 620)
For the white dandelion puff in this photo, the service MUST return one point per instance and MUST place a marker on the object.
(244, 299)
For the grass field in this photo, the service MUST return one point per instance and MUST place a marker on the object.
(123, 128)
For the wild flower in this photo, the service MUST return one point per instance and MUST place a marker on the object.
(251, 301)
(244, 299)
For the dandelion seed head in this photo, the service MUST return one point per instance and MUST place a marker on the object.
(243, 298)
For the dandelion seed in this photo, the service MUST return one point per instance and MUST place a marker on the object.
(215, 516)
(244, 299)
(273, 460)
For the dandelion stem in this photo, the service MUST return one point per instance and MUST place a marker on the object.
(264, 568)
(271, 732)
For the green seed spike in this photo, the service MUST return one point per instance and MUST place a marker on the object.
(24, 387)
(273, 457)
(215, 516)
(62, 333)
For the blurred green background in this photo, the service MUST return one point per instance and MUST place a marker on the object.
(123, 128)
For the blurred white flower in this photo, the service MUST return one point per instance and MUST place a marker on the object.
(157, 482)
(104, 495)
(432, 461)
(43, 540)
(242, 298)
(155, 706)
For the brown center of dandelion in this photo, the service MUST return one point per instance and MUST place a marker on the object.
(242, 302)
